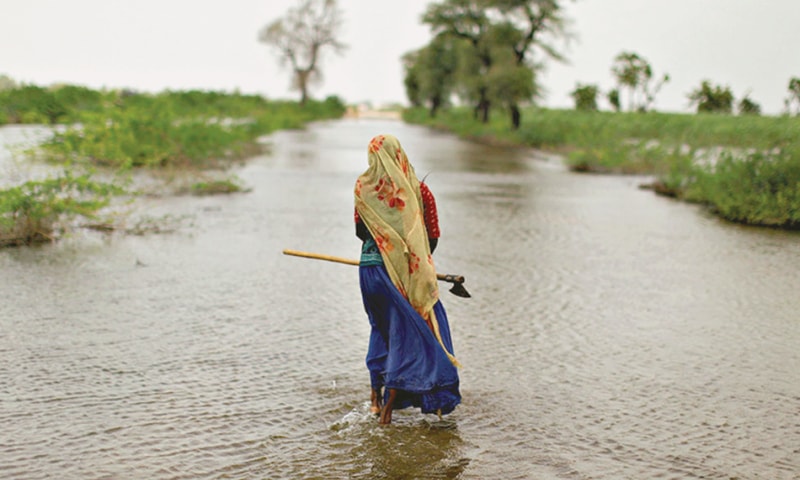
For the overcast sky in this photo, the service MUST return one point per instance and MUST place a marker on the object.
(748, 45)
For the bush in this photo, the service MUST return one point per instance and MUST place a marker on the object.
(31, 212)
(31, 104)
(760, 189)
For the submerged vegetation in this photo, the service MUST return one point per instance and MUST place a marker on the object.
(31, 212)
(108, 135)
(746, 169)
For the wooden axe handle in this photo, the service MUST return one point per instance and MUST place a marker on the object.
(348, 261)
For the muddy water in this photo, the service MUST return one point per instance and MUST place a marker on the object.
(611, 333)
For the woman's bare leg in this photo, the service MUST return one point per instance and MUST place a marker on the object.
(386, 411)
(376, 400)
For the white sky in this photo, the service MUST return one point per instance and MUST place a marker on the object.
(151, 45)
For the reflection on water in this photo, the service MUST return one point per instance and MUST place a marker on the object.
(610, 334)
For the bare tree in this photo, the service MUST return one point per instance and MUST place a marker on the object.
(300, 38)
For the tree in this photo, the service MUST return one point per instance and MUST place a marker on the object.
(471, 82)
(613, 99)
(413, 69)
(534, 19)
(509, 85)
(748, 106)
(585, 97)
(792, 102)
(503, 35)
(430, 72)
(467, 20)
(534, 23)
(712, 99)
(300, 38)
(635, 73)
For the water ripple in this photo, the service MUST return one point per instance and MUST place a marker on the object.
(611, 333)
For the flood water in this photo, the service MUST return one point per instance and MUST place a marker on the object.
(611, 333)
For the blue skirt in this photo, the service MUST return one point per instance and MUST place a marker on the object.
(403, 352)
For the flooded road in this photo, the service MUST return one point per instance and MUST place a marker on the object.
(611, 333)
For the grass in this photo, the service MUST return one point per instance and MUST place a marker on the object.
(744, 168)
(116, 132)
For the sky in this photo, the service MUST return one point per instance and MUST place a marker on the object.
(153, 45)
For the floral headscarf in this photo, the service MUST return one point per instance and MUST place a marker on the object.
(389, 202)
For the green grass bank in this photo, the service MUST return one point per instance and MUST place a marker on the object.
(745, 169)
(108, 135)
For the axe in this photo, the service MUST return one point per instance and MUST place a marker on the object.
(457, 280)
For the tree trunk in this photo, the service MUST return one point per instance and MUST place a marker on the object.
(301, 77)
(483, 105)
(436, 102)
(484, 111)
(516, 117)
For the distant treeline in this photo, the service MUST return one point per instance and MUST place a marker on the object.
(113, 132)
(745, 168)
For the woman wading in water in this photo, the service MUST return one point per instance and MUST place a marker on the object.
(410, 351)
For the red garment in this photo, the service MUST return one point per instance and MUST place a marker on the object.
(428, 208)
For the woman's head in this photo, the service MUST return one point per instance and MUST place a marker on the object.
(386, 149)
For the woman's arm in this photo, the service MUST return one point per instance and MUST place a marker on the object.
(361, 230)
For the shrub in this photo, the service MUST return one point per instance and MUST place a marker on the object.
(31, 212)
(760, 189)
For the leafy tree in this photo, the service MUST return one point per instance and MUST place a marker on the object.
(510, 84)
(712, 99)
(613, 99)
(635, 74)
(503, 34)
(411, 81)
(471, 85)
(300, 38)
(539, 22)
(585, 97)
(748, 106)
(532, 25)
(467, 20)
(431, 70)
(792, 102)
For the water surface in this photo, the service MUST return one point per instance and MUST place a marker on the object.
(611, 333)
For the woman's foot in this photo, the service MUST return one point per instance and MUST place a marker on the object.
(375, 399)
(386, 411)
